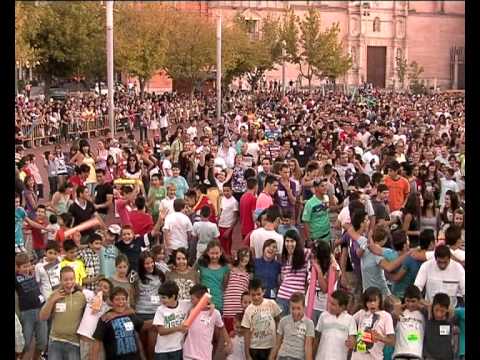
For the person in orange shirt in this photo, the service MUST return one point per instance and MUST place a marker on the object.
(398, 187)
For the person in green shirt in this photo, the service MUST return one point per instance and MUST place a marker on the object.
(315, 215)
(178, 180)
(156, 193)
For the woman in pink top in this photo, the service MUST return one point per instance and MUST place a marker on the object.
(294, 270)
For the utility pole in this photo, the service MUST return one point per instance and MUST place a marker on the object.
(219, 68)
(111, 105)
(284, 53)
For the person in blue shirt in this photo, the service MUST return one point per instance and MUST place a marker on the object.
(267, 269)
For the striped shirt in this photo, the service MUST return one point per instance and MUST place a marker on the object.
(237, 284)
(293, 281)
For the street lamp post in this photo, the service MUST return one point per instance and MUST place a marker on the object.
(219, 68)
(284, 53)
(111, 105)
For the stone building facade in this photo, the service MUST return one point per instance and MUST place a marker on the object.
(373, 32)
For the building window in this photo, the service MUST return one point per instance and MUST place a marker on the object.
(376, 25)
(252, 27)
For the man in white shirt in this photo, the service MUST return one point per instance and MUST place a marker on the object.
(177, 228)
(447, 183)
(371, 159)
(260, 235)
(441, 275)
(227, 153)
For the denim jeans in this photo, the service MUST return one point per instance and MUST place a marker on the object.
(284, 305)
(33, 327)
(174, 355)
(59, 350)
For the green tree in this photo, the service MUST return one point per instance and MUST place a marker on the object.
(332, 61)
(415, 70)
(65, 38)
(140, 39)
(402, 67)
(191, 49)
(257, 54)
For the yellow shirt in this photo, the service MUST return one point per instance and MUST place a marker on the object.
(78, 267)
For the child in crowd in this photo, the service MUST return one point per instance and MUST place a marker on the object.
(168, 321)
(198, 343)
(204, 231)
(38, 235)
(267, 269)
(287, 222)
(213, 270)
(70, 259)
(109, 251)
(238, 340)
(410, 327)
(184, 276)
(120, 277)
(30, 301)
(97, 305)
(47, 271)
(260, 323)
(228, 218)
(52, 227)
(437, 340)
(131, 246)
(236, 285)
(158, 252)
(375, 327)
(336, 329)
(295, 333)
(90, 256)
(118, 334)
(166, 204)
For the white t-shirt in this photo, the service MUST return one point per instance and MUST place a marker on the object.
(260, 235)
(192, 132)
(335, 330)
(90, 319)
(167, 167)
(168, 318)
(228, 207)
(179, 226)
(260, 319)
(383, 325)
(206, 231)
(446, 185)
(458, 253)
(238, 348)
(450, 281)
(367, 158)
(167, 204)
(409, 334)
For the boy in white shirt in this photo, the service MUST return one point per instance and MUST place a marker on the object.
(167, 203)
(168, 321)
(47, 271)
(204, 231)
(228, 218)
(336, 329)
(177, 228)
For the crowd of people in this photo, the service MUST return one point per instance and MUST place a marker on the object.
(322, 226)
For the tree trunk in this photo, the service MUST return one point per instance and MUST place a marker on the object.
(142, 83)
(48, 83)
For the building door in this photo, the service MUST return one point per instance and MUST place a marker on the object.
(376, 65)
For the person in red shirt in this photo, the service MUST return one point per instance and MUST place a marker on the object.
(398, 187)
(39, 236)
(79, 179)
(141, 221)
(197, 199)
(247, 207)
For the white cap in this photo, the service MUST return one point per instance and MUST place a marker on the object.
(115, 229)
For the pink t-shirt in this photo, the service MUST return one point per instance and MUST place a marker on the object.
(198, 343)
(264, 201)
(123, 211)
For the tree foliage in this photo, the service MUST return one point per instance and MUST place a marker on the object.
(140, 39)
(402, 67)
(316, 52)
(415, 70)
(67, 38)
(191, 48)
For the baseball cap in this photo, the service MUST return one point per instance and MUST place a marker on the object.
(115, 229)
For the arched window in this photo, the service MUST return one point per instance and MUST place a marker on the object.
(376, 24)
